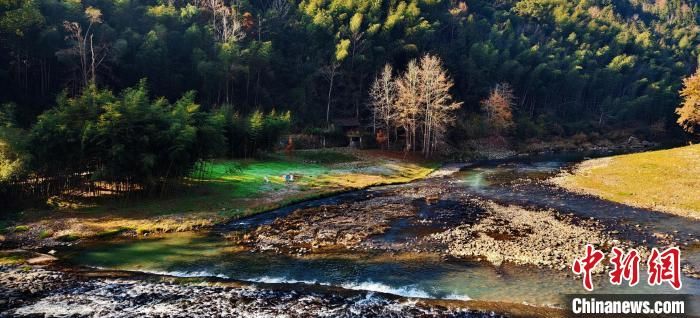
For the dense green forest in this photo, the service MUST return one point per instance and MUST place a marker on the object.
(615, 60)
(195, 76)
(622, 60)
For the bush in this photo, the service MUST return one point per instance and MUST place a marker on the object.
(45, 234)
(526, 128)
(579, 138)
(12, 156)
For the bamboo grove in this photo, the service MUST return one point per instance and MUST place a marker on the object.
(125, 144)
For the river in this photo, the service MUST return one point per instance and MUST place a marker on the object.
(384, 264)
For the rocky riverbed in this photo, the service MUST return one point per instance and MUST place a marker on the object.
(326, 227)
(41, 292)
(487, 228)
(521, 236)
(393, 219)
(434, 216)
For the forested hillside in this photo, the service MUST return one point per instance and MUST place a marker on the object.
(137, 92)
(598, 61)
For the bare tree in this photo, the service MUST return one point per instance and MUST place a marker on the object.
(225, 21)
(437, 104)
(499, 107)
(382, 101)
(357, 47)
(408, 103)
(418, 100)
(90, 57)
(330, 72)
(228, 26)
(280, 8)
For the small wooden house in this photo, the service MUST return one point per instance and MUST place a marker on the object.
(352, 129)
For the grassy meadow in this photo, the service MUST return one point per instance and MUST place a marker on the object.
(226, 189)
(664, 180)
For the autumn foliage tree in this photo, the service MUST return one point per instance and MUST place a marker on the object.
(418, 101)
(499, 107)
(689, 111)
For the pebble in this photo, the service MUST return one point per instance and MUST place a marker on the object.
(520, 236)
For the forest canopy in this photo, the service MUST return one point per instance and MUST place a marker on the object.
(602, 61)
(140, 91)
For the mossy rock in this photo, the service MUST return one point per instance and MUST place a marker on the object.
(44, 234)
(21, 228)
(111, 232)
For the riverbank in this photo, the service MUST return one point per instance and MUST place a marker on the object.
(497, 148)
(431, 216)
(665, 180)
(227, 190)
(42, 291)
(445, 238)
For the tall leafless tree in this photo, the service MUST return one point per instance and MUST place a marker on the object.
(417, 101)
(89, 55)
(408, 103)
(382, 101)
(330, 72)
(225, 20)
(437, 104)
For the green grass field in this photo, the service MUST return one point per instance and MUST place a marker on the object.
(247, 179)
(249, 186)
(227, 189)
(665, 180)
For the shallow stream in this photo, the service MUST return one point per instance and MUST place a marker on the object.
(405, 272)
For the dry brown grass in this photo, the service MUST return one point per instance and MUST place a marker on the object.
(665, 180)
